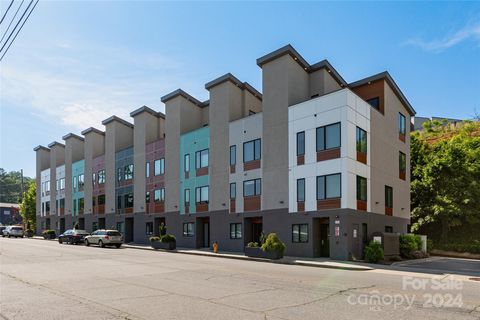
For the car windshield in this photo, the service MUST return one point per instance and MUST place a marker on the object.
(17, 228)
(113, 233)
(81, 232)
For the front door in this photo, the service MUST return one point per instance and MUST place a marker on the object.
(356, 250)
(128, 230)
(324, 240)
(62, 225)
(206, 234)
(257, 229)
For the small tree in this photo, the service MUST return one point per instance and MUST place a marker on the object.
(28, 206)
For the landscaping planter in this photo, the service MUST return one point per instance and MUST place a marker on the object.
(259, 253)
(28, 234)
(49, 236)
(163, 245)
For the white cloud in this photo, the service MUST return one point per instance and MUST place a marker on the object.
(79, 87)
(470, 32)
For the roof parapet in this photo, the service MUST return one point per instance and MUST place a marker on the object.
(40, 147)
(72, 135)
(230, 77)
(56, 143)
(387, 77)
(180, 92)
(146, 109)
(92, 129)
(120, 120)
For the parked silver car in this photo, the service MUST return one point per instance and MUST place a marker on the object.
(13, 231)
(105, 238)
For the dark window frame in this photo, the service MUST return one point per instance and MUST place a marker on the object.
(376, 105)
(233, 149)
(234, 184)
(300, 143)
(359, 184)
(149, 228)
(358, 141)
(324, 128)
(186, 230)
(304, 190)
(402, 120)
(186, 162)
(300, 239)
(255, 194)
(255, 151)
(388, 200)
(198, 159)
(325, 186)
(199, 189)
(236, 233)
(402, 156)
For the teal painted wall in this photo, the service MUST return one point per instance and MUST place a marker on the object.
(190, 143)
(78, 168)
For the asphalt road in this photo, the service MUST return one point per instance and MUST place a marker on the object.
(44, 280)
(449, 265)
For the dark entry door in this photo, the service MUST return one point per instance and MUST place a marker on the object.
(324, 240)
(356, 249)
(62, 225)
(206, 234)
(157, 226)
(128, 230)
(101, 223)
(256, 231)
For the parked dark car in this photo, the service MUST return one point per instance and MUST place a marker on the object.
(73, 236)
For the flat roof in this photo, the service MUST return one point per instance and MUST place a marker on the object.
(120, 120)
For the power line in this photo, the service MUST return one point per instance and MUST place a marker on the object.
(13, 19)
(15, 28)
(6, 12)
(18, 29)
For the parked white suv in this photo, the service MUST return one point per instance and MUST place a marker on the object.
(13, 231)
(105, 238)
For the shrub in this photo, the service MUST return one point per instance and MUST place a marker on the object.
(252, 245)
(429, 245)
(273, 243)
(418, 254)
(48, 232)
(153, 239)
(374, 252)
(262, 238)
(409, 243)
(167, 238)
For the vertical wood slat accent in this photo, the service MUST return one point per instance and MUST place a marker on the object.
(362, 157)
(328, 154)
(251, 203)
(300, 160)
(361, 205)
(328, 204)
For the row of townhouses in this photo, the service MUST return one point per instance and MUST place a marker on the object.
(321, 162)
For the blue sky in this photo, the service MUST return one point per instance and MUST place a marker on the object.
(76, 63)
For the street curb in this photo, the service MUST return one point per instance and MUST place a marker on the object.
(414, 261)
(303, 263)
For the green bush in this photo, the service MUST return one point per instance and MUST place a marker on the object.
(273, 243)
(429, 245)
(153, 239)
(252, 245)
(461, 247)
(167, 238)
(409, 243)
(48, 232)
(374, 252)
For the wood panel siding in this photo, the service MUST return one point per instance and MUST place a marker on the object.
(401, 136)
(232, 206)
(300, 206)
(389, 211)
(201, 171)
(232, 168)
(328, 154)
(401, 175)
(250, 165)
(300, 160)
(328, 204)
(201, 207)
(361, 205)
(252, 203)
(362, 157)
(372, 90)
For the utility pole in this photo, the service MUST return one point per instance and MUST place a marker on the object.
(23, 190)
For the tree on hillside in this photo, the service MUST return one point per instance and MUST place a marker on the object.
(11, 186)
(445, 176)
(28, 206)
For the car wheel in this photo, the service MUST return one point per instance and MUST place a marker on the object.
(8, 236)
(118, 245)
(60, 241)
(101, 244)
(87, 243)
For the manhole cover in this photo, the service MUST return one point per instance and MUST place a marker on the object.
(475, 279)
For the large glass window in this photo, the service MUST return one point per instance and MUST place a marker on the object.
(81, 182)
(233, 155)
(74, 183)
(201, 194)
(128, 170)
(94, 178)
(401, 124)
(186, 162)
(361, 188)
(252, 187)
(147, 169)
(81, 205)
(402, 162)
(101, 177)
(119, 202)
(361, 140)
(233, 190)
(149, 228)
(300, 190)
(128, 200)
(235, 230)
(159, 167)
(388, 197)
(188, 229)
(328, 137)
(187, 197)
(159, 195)
(201, 159)
(300, 143)
(101, 199)
(252, 150)
(147, 197)
(329, 186)
(374, 102)
(119, 174)
(299, 233)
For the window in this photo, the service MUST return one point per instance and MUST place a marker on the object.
(159, 195)
(81, 204)
(119, 202)
(233, 191)
(252, 150)
(149, 228)
(235, 231)
(300, 190)
(81, 182)
(328, 137)
(361, 140)
(201, 194)
(94, 226)
(159, 167)
(128, 172)
(186, 162)
(388, 197)
(147, 197)
(299, 233)
(233, 155)
(187, 197)
(402, 162)
(101, 199)
(47, 207)
(62, 203)
(62, 184)
(201, 159)
(128, 200)
(300, 143)
(119, 174)
(361, 188)
(329, 186)
(252, 188)
(74, 183)
(58, 185)
(120, 227)
(374, 102)
(94, 178)
(401, 124)
(47, 186)
(188, 229)
(388, 229)
(75, 205)
(147, 169)
(101, 177)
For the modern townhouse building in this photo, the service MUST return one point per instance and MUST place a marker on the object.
(321, 162)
